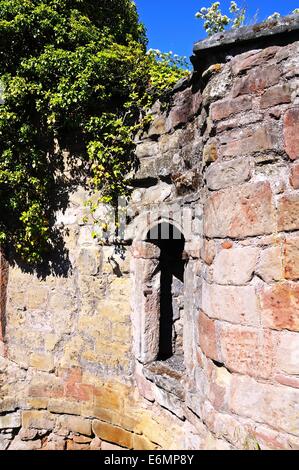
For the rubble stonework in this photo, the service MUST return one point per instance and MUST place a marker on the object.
(80, 366)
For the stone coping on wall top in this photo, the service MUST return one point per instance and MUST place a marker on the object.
(248, 33)
(261, 35)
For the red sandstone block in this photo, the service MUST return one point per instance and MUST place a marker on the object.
(224, 108)
(46, 391)
(280, 306)
(79, 392)
(247, 350)
(251, 59)
(71, 376)
(276, 95)
(288, 210)
(291, 133)
(257, 80)
(207, 336)
(185, 105)
(291, 258)
(294, 177)
(261, 139)
(246, 210)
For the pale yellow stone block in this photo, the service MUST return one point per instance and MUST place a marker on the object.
(42, 362)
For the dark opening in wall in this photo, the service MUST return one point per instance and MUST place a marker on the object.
(171, 243)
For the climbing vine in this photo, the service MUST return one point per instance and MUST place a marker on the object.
(76, 84)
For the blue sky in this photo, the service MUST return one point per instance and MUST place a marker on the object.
(171, 25)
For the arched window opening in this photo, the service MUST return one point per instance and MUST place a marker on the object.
(171, 266)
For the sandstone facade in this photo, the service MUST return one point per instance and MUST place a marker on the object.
(80, 365)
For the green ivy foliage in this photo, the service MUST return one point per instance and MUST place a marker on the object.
(76, 81)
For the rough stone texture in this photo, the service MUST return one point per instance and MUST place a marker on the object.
(80, 349)
(276, 95)
(244, 211)
(223, 109)
(225, 174)
(229, 270)
(270, 266)
(288, 208)
(291, 258)
(257, 80)
(288, 353)
(247, 142)
(231, 303)
(247, 350)
(280, 306)
(294, 176)
(291, 136)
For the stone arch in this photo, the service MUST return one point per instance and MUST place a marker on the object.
(149, 221)
(158, 292)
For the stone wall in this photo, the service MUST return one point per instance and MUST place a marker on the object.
(80, 364)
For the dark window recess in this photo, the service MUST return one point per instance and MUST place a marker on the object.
(171, 243)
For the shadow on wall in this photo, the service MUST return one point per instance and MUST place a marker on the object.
(171, 266)
(65, 172)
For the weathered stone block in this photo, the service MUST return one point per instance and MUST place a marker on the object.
(235, 266)
(250, 142)
(10, 420)
(288, 210)
(210, 153)
(225, 174)
(294, 176)
(208, 251)
(207, 336)
(147, 148)
(264, 403)
(42, 362)
(270, 266)
(145, 250)
(38, 419)
(185, 105)
(157, 126)
(247, 350)
(288, 353)
(257, 80)
(269, 439)
(113, 434)
(230, 303)
(89, 261)
(291, 258)
(75, 424)
(246, 210)
(291, 133)
(277, 95)
(142, 443)
(227, 107)
(280, 306)
(251, 59)
(110, 447)
(17, 444)
(169, 402)
(106, 397)
(37, 298)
